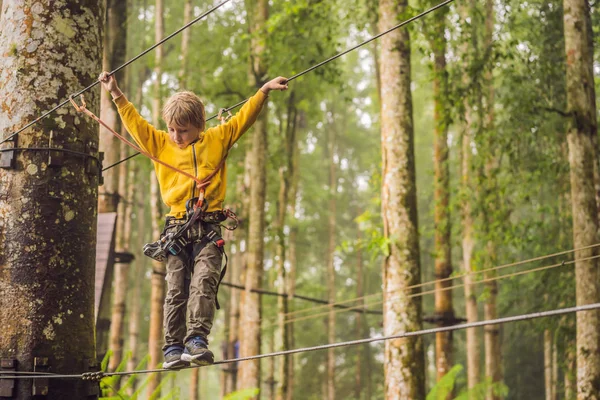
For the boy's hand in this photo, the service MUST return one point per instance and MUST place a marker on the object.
(279, 83)
(109, 82)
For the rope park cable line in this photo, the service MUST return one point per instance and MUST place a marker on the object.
(457, 276)
(497, 321)
(273, 323)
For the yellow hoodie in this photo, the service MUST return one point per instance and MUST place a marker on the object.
(199, 158)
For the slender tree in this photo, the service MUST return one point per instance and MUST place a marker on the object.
(157, 294)
(155, 337)
(185, 44)
(137, 278)
(285, 176)
(48, 201)
(291, 257)
(251, 312)
(444, 310)
(548, 364)
(331, 228)
(403, 358)
(120, 284)
(115, 44)
(581, 134)
(469, 126)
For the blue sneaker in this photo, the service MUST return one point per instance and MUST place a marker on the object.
(197, 352)
(173, 358)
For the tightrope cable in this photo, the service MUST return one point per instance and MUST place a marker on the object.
(457, 276)
(496, 321)
(274, 322)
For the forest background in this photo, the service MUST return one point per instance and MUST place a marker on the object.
(488, 87)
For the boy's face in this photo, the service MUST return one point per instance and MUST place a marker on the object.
(182, 136)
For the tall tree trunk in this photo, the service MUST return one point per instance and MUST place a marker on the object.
(234, 317)
(291, 283)
(185, 44)
(493, 351)
(194, 383)
(548, 364)
(570, 371)
(115, 45)
(252, 309)
(285, 176)
(582, 129)
(403, 358)
(468, 241)
(120, 284)
(157, 295)
(137, 277)
(443, 261)
(48, 212)
(361, 353)
(554, 383)
(331, 261)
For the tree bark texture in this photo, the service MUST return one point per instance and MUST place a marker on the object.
(252, 310)
(120, 284)
(403, 358)
(194, 384)
(548, 364)
(137, 276)
(443, 260)
(157, 296)
(362, 354)
(582, 129)
(115, 45)
(291, 282)
(470, 125)
(157, 293)
(331, 229)
(48, 210)
(185, 44)
(285, 176)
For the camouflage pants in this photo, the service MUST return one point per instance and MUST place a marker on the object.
(192, 283)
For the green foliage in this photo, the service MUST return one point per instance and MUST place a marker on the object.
(447, 384)
(244, 394)
(444, 386)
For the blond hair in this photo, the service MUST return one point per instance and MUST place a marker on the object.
(185, 108)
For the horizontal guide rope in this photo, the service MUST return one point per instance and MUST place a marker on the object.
(50, 149)
(504, 320)
(450, 278)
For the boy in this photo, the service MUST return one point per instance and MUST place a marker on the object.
(193, 274)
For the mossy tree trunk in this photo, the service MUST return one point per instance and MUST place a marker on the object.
(403, 358)
(251, 312)
(48, 212)
(581, 134)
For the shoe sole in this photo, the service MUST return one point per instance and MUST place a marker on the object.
(177, 364)
(199, 359)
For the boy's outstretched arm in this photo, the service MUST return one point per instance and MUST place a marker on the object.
(243, 119)
(145, 135)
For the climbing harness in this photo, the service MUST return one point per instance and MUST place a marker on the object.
(175, 242)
